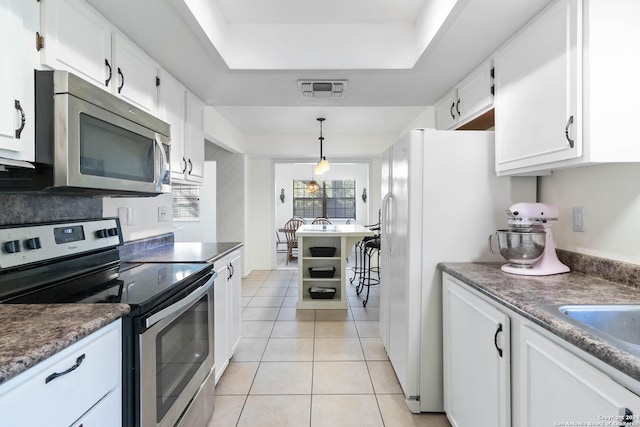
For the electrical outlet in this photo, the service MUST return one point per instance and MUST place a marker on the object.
(578, 219)
(162, 214)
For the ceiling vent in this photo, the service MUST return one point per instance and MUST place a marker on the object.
(313, 89)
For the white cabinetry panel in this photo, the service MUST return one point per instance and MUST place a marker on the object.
(538, 91)
(557, 386)
(77, 39)
(476, 339)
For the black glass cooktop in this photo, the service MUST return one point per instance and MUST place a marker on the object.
(141, 286)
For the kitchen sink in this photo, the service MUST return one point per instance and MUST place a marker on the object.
(616, 323)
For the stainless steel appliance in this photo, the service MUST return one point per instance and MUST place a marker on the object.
(528, 245)
(168, 337)
(90, 141)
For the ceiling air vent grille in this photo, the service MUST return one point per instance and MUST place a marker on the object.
(313, 89)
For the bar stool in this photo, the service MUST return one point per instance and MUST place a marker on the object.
(358, 265)
(370, 250)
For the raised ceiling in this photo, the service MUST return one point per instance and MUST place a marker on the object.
(244, 57)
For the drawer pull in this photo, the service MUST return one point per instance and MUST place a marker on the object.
(55, 375)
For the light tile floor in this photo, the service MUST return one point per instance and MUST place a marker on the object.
(310, 367)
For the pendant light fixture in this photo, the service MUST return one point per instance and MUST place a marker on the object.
(323, 164)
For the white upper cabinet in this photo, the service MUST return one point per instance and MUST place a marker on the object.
(194, 139)
(18, 24)
(566, 87)
(78, 39)
(171, 109)
(471, 98)
(135, 74)
(185, 113)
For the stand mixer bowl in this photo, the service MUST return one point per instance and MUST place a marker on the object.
(521, 247)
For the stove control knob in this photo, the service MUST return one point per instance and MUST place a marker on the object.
(102, 233)
(112, 232)
(12, 246)
(33, 243)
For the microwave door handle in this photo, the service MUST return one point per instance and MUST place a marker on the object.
(164, 165)
(180, 305)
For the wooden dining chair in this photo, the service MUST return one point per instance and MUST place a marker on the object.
(321, 220)
(292, 240)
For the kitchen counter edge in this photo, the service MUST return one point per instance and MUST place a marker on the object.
(185, 252)
(35, 332)
(526, 294)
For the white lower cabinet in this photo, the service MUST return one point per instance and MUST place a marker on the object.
(235, 301)
(221, 318)
(559, 387)
(547, 382)
(227, 310)
(81, 382)
(476, 360)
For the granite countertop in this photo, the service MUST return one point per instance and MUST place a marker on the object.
(184, 252)
(527, 294)
(33, 332)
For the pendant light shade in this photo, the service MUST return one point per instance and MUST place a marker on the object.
(313, 187)
(323, 163)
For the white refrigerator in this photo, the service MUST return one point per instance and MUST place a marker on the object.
(442, 201)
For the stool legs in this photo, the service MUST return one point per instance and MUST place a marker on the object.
(368, 253)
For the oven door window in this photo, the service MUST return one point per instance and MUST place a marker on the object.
(110, 151)
(181, 348)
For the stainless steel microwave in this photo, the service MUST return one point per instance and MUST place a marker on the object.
(89, 141)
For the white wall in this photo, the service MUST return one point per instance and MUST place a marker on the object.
(610, 195)
(145, 211)
(203, 230)
(223, 133)
(259, 214)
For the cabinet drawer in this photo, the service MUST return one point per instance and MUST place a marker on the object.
(107, 413)
(29, 400)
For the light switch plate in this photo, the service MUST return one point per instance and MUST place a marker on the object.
(578, 219)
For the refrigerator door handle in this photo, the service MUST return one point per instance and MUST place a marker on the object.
(385, 218)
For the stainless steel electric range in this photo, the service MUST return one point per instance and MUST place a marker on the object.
(168, 335)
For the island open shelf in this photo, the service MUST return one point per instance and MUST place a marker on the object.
(340, 237)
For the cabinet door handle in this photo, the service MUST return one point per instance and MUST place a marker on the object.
(55, 375)
(190, 167)
(121, 80)
(458, 107)
(566, 131)
(495, 339)
(229, 275)
(184, 162)
(453, 104)
(23, 119)
(106, 62)
(233, 269)
(626, 417)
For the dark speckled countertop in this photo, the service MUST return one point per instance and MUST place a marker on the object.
(34, 332)
(526, 294)
(185, 252)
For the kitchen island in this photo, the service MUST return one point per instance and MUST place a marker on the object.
(341, 238)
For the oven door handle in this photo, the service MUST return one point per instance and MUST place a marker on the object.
(182, 304)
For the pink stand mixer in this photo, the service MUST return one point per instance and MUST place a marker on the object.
(528, 245)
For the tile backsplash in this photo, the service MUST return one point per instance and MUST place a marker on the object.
(30, 208)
